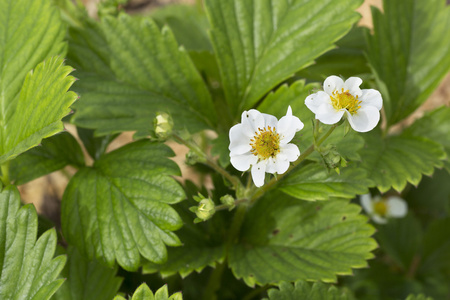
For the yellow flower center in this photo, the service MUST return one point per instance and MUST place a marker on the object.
(345, 100)
(380, 208)
(266, 143)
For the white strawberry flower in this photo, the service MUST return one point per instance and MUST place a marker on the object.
(381, 209)
(261, 142)
(339, 98)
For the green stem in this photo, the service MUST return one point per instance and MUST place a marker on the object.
(236, 203)
(5, 174)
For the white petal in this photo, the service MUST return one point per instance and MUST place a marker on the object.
(333, 83)
(397, 207)
(287, 127)
(270, 120)
(281, 165)
(290, 152)
(242, 162)
(258, 173)
(315, 100)
(327, 114)
(352, 85)
(270, 166)
(371, 97)
(365, 119)
(378, 219)
(252, 120)
(239, 142)
(366, 203)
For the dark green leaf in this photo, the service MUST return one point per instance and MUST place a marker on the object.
(304, 290)
(54, 154)
(28, 269)
(436, 249)
(119, 208)
(259, 44)
(408, 52)
(286, 239)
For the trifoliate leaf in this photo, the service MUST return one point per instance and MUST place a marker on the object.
(434, 125)
(261, 43)
(142, 71)
(143, 292)
(312, 181)
(396, 160)
(28, 269)
(54, 154)
(87, 280)
(38, 110)
(408, 52)
(119, 209)
(304, 290)
(283, 238)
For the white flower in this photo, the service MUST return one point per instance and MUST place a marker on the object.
(361, 107)
(260, 141)
(380, 209)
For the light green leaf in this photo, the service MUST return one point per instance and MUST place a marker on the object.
(28, 269)
(286, 239)
(408, 52)
(142, 71)
(259, 44)
(120, 208)
(87, 280)
(143, 292)
(37, 113)
(304, 290)
(396, 160)
(434, 125)
(312, 181)
(55, 153)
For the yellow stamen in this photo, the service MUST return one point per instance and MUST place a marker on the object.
(380, 208)
(345, 100)
(266, 143)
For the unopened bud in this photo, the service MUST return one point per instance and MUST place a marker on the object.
(332, 158)
(228, 200)
(205, 209)
(163, 125)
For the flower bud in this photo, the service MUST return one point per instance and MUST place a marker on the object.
(163, 125)
(228, 200)
(205, 209)
(332, 158)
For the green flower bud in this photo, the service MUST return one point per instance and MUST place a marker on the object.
(205, 209)
(331, 158)
(228, 200)
(163, 125)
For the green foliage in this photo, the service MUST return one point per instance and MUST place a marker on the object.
(314, 182)
(259, 44)
(396, 160)
(120, 208)
(140, 71)
(55, 153)
(287, 239)
(28, 269)
(436, 250)
(408, 52)
(95, 146)
(418, 297)
(87, 280)
(304, 290)
(143, 292)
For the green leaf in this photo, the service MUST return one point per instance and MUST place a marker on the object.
(259, 44)
(408, 52)
(87, 280)
(55, 153)
(143, 292)
(28, 269)
(312, 181)
(142, 71)
(37, 113)
(95, 146)
(396, 160)
(401, 239)
(434, 125)
(203, 243)
(418, 297)
(436, 249)
(304, 290)
(120, 208)
(286, 239)
(346, 60)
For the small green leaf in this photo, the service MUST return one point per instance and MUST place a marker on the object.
(120, 208)
(143, 292)
(87, 280)
(314, 182)
(396, 160)
(408, 52)
(28, 269)
(55, 153)
(259, 44)
(304, 290)
(286, 239)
